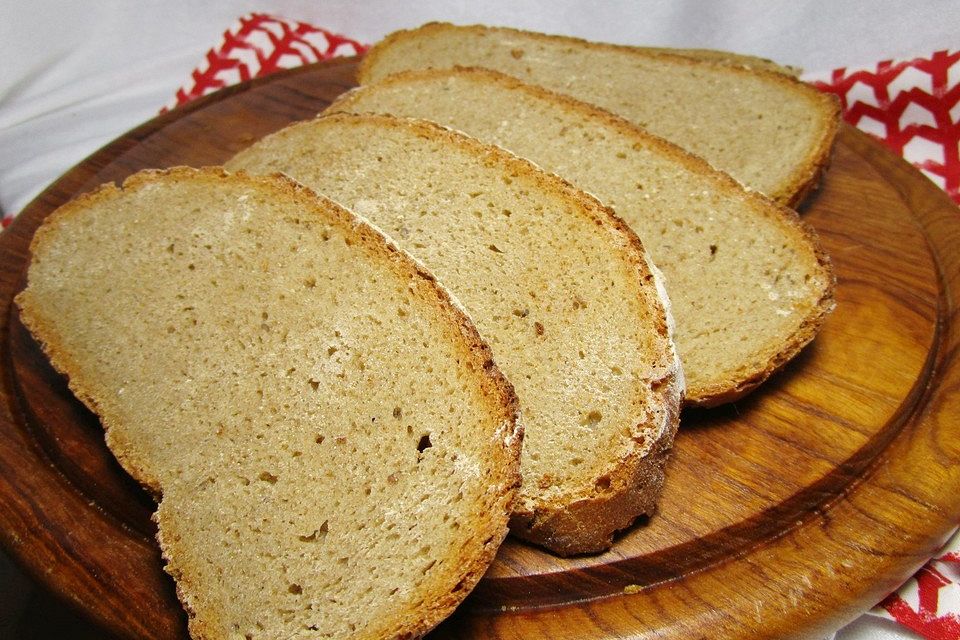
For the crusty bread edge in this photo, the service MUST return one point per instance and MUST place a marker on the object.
(806, 179)
(717, 56)
(51, 344)
(454, 585)
(801, 337)
(801, 181)
(720, 392)
(551, 523)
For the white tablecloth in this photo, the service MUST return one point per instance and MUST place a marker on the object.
(75, 75)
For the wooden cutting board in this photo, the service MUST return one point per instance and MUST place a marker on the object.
(784, 515)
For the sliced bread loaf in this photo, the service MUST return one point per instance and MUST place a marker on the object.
(558, 286)
(766, 129)
(334, 451)
(748, 281)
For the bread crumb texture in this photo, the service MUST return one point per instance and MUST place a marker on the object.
(557, 286)
(767, 129)
(335, 453)
(748, 282)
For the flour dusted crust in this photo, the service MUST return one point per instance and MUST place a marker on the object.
(575, 519)
(388, 57)
(464, 563)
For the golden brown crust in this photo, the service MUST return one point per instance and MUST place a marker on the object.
(633, 488)
(807, 178)
(803, 335)
(802, 179)
(690, 57)
(714, 56)
(615, 504)
(446, 590)
(754, 373)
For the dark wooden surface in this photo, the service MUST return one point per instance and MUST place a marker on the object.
(784, 515)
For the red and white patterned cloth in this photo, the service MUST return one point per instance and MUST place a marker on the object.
(929, 604)
(912, 106)
(259, 45)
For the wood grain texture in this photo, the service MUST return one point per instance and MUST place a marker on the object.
(784, 515)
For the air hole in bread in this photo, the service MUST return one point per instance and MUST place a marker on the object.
(424, 443)
(317, 536)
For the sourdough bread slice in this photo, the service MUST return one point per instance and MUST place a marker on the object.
(768, 130)
(334, 451)
(558, 286)
(748, 282)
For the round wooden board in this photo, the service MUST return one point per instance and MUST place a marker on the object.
(784, 515)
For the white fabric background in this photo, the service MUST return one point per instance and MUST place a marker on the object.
(78, 74)
(75, 75)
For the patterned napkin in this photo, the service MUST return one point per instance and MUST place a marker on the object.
(912, 106)
(929, 603)
(258, 45)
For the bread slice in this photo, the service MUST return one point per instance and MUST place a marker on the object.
(771, 132)
(334, 451)
(748, 282)
(557, 285)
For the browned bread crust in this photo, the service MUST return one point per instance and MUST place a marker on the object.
(463, 562)
(583, 517)
(433, 87)
(787, 186)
